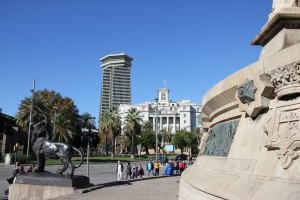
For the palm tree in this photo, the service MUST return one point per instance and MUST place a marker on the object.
(87, 120)
(133, 121)
(63, 129)
(39, 111)
(112, 123)
(103, 129)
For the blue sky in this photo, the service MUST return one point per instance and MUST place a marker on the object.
(191, 44)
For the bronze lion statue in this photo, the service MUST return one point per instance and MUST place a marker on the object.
(42, 146)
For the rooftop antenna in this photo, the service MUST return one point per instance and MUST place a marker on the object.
(165, 84)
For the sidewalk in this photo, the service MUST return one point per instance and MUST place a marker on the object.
(164, 187)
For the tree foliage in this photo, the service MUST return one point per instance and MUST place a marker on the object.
(179, 140)
(39, 111)
(111, 124)
(133, 121)
(67, 120)
(147, 139)
(64, 131)
(183, 139)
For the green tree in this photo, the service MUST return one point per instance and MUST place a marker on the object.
(179, 140)
(113, 125)
(147, 138)
(103, 130)
(191, 140)
(65, 107)
(64, 131)
(133, 121)
(45, 104)
(39, 111)
(87, 120)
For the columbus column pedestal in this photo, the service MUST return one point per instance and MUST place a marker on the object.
(251, 142)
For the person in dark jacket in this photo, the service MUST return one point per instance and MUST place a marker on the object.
(176, 167)
(134, 171)
(140, 171)
(128, 170)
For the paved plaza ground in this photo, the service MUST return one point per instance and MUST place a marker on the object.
(147, 189)
(101, 173)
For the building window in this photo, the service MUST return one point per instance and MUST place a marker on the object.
(184, 121)
(163, 96)
(198, 120)
(184, 108)
(184, 115)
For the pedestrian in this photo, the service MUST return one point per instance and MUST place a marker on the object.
(128, 170)
(169, 169)
(30, 168)
(176, 167)
(150, 167)
(134, 171)
(140, 172)
(156, 168)
(119, 171)
(181, 166)
(190, 160)
(21, 170)
(11, 179)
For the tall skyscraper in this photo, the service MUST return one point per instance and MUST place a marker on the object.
(116, 81)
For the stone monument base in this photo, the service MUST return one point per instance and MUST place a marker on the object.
(50, 179)
(45, 185)
(37, 192)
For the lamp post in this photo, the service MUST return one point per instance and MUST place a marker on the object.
(156, 130)
(88, 132)
(15, 149)
(30, 121)
(55, 108)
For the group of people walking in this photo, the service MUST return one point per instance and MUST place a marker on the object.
(175, 168)
(131, 171)
(137, 171)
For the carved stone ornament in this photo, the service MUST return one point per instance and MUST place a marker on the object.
(282, 122)
(282, 128)
(286, 75)
(246, 92)
(278, 4)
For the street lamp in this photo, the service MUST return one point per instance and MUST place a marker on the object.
(55, 108)
(87, 136)
(30, 121)
(156, 130)
(15, 150)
